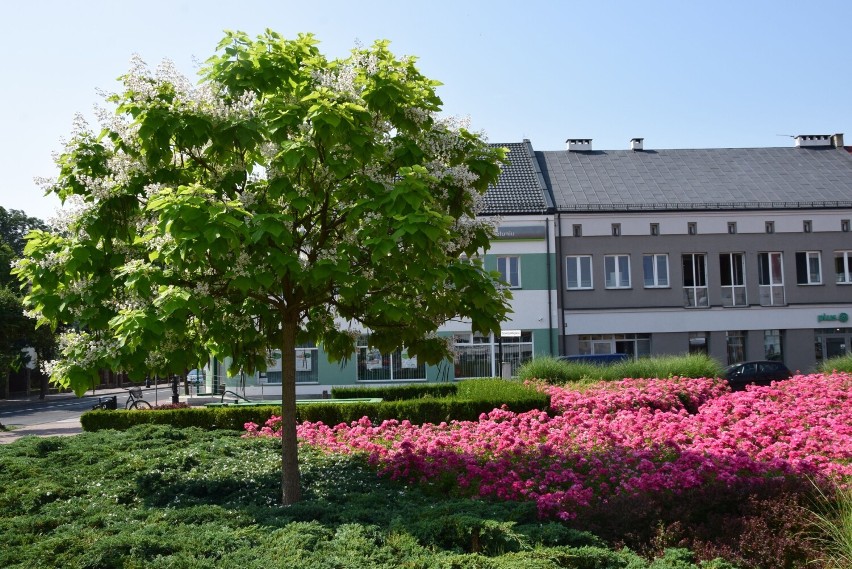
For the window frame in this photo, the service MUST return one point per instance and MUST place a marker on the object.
(732, 274)
(804, 272)
(619, 271)
(769, 272)
(508, 260)
(655, 276)
(576, 259)
(846, 258)
(693, 301)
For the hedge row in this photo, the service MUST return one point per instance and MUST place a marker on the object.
(396, 392)
(417, 411)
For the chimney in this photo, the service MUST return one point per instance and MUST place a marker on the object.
(579, 144)
(637, 144)
(810, 140)
(837, 140)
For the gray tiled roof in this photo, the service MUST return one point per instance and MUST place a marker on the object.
(520, 189)
(716, 178)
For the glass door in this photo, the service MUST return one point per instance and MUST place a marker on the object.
(835, 347)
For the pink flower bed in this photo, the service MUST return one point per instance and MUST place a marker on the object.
(623, 438)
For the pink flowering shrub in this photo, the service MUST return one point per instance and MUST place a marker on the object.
(627, 440)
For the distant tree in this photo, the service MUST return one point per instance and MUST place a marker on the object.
(14, 226)
(287, 198)
(17, 330)
(7, 257)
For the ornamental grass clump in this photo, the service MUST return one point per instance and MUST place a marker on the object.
(839, 363)
(559, 372)
(832, 524)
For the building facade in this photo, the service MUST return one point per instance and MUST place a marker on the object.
(737, 253)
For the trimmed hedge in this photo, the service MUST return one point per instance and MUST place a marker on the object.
(516, 397)
(396, 392)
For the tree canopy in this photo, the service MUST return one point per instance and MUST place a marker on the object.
(17, 330)
(285, 198)
(14, 227)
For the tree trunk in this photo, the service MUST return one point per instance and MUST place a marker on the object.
(291, 491)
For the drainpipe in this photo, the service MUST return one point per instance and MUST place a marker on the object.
(560, 298)
(549, 296)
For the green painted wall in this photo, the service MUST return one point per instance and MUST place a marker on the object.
(533, 269)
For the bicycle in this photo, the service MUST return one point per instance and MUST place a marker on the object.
(106, 403)
(134, 400)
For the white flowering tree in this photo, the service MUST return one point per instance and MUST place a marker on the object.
(285, 198)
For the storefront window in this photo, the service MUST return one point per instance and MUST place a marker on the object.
(736, 347)
(635, 345)
(772, 345)
(479, 356)
(373, 365)
(698, 343)
(306, 365)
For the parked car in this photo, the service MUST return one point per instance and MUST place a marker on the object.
(195, 377)
(596, 358)
(761, 372)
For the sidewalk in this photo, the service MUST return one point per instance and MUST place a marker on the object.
(64, 427)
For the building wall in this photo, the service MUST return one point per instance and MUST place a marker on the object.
(661, 312)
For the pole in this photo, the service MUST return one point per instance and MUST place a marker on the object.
(175, 394)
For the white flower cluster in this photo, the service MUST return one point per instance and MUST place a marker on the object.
(208, 98)
(65, 219)
(125, 130)
(151, 190)
(53, 259)
(86, 350)
(243, 267)
(47, 366)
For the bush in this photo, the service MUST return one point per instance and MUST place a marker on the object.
(472, 398)
(395, 392)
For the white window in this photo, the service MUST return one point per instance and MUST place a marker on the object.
(695, 280)
(617, 269)
(509, 269)
(579, 270)
(808, 268)
(732, 276)
(656, 270)
(770, 276)
(843, 267)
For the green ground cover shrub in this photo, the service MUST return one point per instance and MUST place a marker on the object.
(156, 496)
(560, 372)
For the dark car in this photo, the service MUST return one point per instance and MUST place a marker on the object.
(755, 373)
(595, 358)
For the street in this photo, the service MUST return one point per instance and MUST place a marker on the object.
(59, 414)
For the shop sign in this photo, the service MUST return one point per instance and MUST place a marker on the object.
(842, 317)
(521, 232)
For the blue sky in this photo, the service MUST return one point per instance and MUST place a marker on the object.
(681, 74)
